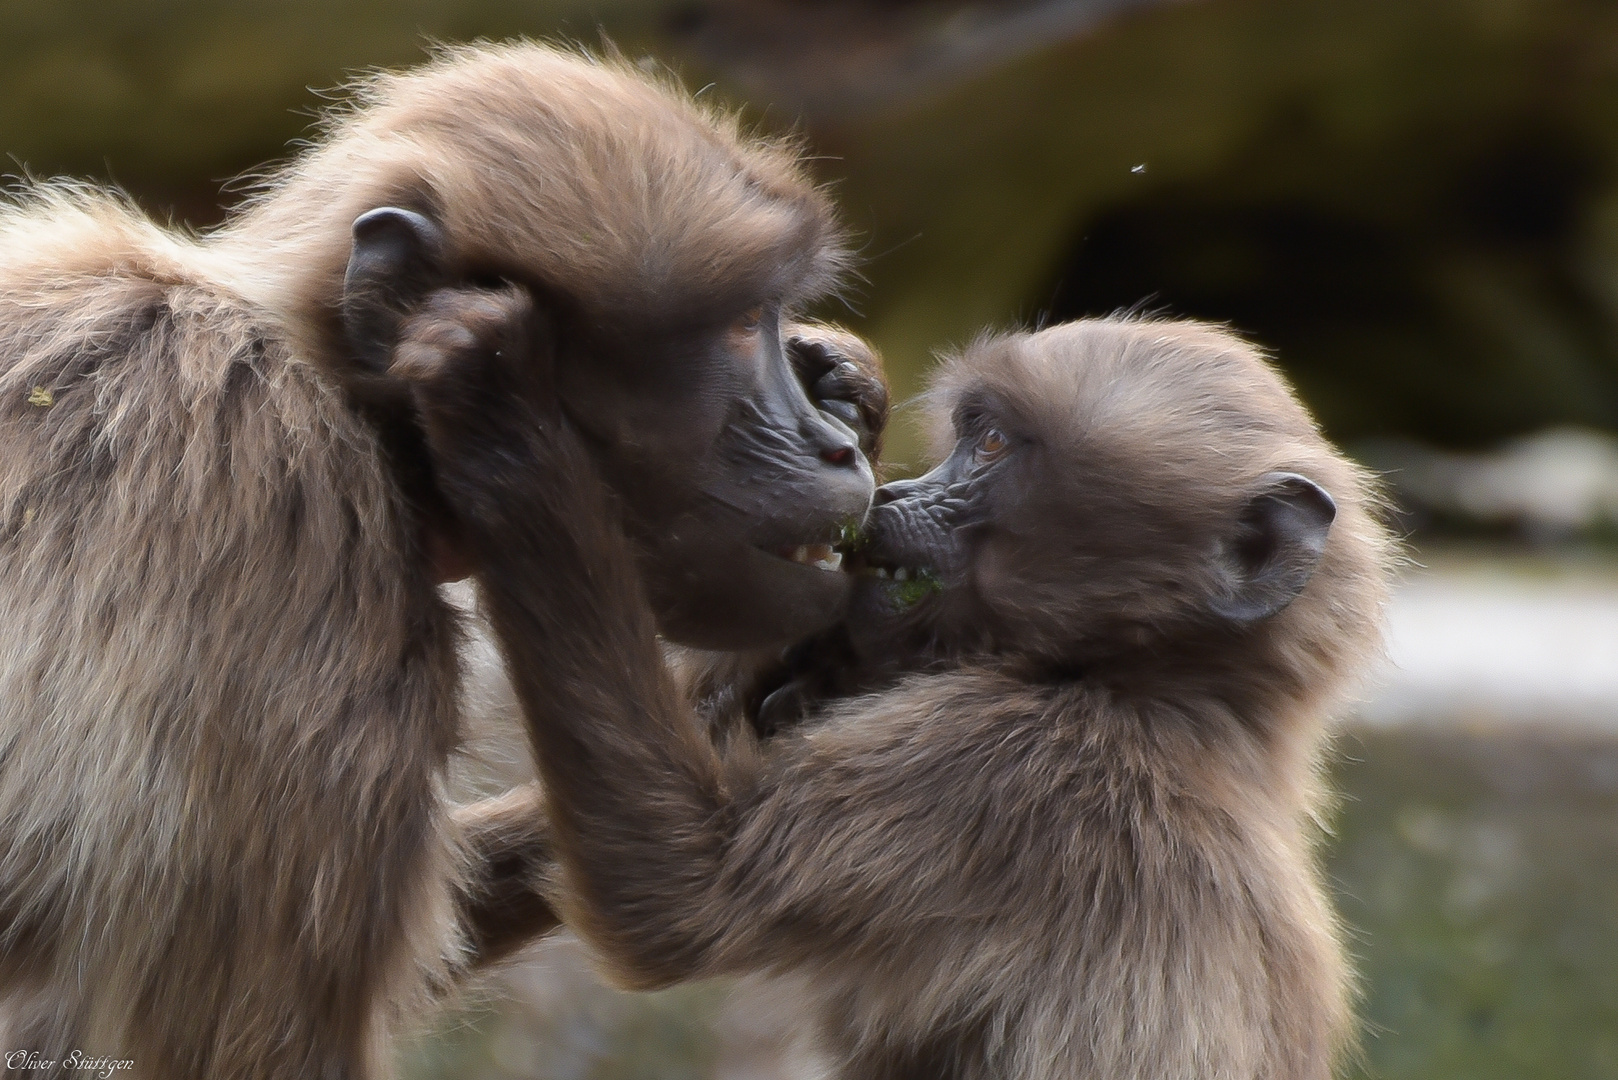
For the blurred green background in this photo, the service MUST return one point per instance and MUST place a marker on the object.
(1414, 203)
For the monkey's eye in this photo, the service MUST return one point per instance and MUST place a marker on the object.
(992, 446)
(743, 332)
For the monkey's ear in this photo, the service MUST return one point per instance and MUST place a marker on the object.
(1279, 537)
(397, 258)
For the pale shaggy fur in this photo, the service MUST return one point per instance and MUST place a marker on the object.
(227, 685)
(1147, 904)
(1070, 838)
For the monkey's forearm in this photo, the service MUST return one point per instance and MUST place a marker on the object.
(633, 787)
(503, 902)
(678, 865)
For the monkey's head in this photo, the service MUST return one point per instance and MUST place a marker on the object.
(672, 252)
(1117, 488)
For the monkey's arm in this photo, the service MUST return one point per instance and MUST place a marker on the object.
(679, 863)
(511, 869)
(567, 607)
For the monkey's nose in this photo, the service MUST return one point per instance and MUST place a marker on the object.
(835, 445)
(898, 489)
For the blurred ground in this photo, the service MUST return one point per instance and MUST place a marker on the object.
(1475, 862)
(1476, 855)
(1478, 872)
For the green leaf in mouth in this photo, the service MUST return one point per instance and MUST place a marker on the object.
(920, 585)
(849, 536)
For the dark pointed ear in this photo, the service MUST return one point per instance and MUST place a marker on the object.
(1274, 548)
(397, 258)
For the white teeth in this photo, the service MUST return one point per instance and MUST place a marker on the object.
(819, 556)
(901, 574)
(881, 572)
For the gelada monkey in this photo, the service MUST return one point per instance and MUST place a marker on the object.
(512, 873)
(228, 686)
(1063, 825)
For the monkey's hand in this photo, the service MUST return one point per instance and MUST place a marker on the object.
(512, 869)
(843, 376)
(480, 367)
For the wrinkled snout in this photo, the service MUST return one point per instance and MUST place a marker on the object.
(835, 465)
(916, 524)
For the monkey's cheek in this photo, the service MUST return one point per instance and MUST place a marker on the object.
(735, 596)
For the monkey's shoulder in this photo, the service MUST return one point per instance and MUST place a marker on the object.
(108, 318)
(102, 371)
(166, 432)
(948, 714)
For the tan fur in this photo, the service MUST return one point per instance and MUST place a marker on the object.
(227, 685)
(1084, 849)
(576, 173)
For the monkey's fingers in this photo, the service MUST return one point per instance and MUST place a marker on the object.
(482, 340)
(454, 354)
(843, 376)
(503, 903)
(478, 366)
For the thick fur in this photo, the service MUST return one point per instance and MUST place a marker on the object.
(1078, 844)
(226, 688)
(625, 197)
(227, 685)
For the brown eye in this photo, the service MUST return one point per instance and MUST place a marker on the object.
(743, 333)
(992, 446)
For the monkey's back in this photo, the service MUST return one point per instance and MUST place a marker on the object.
(209, 619)
(1081, 886)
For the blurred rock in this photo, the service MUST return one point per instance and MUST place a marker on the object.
(1413, 202)
(1500, 644)
(827, 60)
(1555, 485)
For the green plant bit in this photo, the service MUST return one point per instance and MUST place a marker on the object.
(922, 584)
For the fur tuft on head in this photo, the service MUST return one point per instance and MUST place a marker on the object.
(1155, 436)
(582, 176)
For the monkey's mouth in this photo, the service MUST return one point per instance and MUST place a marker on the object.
(827, 557)
(830, 556)
(866, 563)
(852, 554)
(819, 556)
